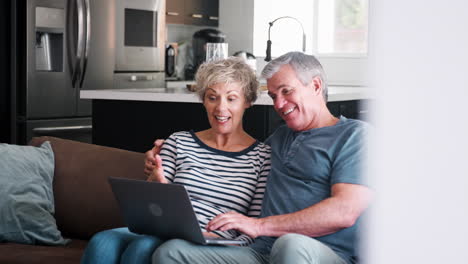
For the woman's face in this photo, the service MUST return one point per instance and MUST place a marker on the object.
(225, 105)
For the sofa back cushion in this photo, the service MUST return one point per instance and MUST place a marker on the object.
(26, 195)
(84, 203)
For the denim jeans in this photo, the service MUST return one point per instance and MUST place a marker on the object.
(290, 248)
(120, 246)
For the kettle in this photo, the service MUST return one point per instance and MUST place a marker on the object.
(248, 57)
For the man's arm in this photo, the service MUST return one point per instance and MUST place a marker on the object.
(158, 172)
(341, 210)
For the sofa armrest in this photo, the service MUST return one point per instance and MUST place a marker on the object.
(84, 203)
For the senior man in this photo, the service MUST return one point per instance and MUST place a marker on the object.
(315, 194)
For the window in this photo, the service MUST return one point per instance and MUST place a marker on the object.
(332, 27)
(342, 27)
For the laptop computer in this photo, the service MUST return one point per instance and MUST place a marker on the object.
(161, 210)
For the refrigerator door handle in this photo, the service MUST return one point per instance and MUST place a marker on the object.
(87, 41)
(71, 5)
(80, 46)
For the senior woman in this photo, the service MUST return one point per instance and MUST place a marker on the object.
(223, 168)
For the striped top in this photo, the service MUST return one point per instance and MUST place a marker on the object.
(217, 181)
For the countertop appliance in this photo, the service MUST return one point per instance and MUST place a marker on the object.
(140, 35)
(199, 40)
(60, 47)
(140, 43)
(170, 60)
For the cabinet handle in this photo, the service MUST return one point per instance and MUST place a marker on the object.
(197, 16)
(213, 18)
(135, 78)
(48, 130)
(172, 13)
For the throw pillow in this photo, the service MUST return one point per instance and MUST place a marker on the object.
(26, 195)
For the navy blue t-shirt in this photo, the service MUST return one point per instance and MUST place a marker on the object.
(304, 166)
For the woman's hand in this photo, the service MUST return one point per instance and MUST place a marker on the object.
(150, 157)
(233, 220)
(157, 175)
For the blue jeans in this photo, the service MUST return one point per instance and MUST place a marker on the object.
(120, 246)
(290, 248)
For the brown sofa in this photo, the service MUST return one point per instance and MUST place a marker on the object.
(84, 203)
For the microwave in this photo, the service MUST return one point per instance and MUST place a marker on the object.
(140, 35)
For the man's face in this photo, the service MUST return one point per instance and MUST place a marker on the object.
(299, 105)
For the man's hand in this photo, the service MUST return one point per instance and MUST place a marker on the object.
(150, 157)
(158, 172)
(209, 234)
(233, 220)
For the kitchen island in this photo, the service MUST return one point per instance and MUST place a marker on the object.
(132, 118)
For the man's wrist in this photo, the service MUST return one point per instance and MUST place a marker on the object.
(262, 226)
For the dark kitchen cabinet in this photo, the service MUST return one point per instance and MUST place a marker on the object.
(193, 12)
(355, 109)
(202, 12)
(175, 11)
(134, 125)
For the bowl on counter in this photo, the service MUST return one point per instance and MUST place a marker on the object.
(191, 87)
(188, 85)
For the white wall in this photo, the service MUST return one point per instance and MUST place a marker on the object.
(347, 71)
(181, 33)
(419, 68)
(236, 21)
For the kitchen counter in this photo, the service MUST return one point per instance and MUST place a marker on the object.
(182, 95)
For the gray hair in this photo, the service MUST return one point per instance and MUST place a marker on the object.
(306, 67)
(230, 70)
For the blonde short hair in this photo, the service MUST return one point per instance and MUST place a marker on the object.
(230, 70)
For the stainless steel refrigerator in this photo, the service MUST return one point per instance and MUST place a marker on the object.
(58, 48)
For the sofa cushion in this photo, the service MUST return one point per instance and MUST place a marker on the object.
(26, 197)
(84, 203)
